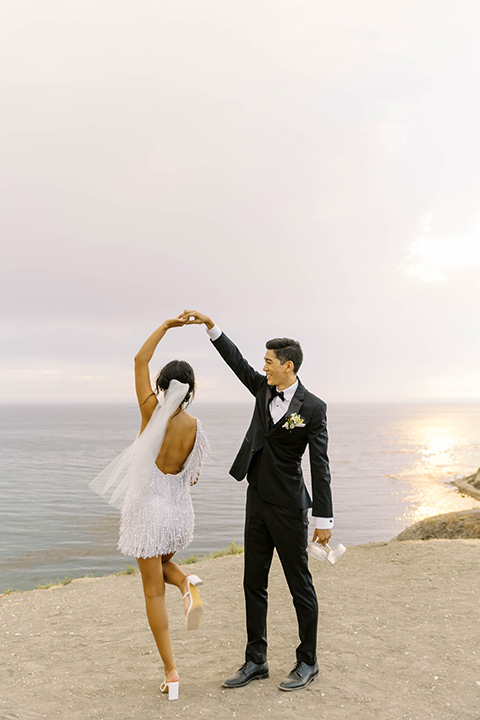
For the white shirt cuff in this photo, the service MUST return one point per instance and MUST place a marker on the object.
(214, 332)
(323, 523)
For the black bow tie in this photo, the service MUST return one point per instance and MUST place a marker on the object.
(277, 393)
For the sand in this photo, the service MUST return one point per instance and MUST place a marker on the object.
(398, 638)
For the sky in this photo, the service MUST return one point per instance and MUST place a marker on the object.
(291, 168)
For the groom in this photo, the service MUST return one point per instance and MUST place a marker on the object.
(286, 418)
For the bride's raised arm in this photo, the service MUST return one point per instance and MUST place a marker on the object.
(147, 400)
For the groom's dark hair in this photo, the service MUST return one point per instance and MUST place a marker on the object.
(287, 349)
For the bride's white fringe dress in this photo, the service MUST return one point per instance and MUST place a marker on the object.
(160, 520)
(157, 512)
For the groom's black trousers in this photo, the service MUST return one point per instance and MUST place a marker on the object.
(267, 527)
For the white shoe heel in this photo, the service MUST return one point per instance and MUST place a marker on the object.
(194, 613)
(171, 688)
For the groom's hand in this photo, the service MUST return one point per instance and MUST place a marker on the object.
(321, 536)
(193, 317)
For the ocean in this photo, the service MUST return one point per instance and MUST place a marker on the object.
(392, 464)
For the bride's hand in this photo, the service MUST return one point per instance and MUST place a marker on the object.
(193, 317)
(174, 322)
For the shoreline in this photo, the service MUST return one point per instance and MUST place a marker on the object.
(395, 641)
(232, 549)
(416, 531)
(465, 486)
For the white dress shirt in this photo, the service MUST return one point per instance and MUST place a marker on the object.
(278, 408)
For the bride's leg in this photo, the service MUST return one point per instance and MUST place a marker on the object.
(174, 575)
(154, 591)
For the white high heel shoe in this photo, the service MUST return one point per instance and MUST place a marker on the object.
(171, 688)
(194, 613)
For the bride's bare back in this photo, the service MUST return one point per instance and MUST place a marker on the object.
(177, 444)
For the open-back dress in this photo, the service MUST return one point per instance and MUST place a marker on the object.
(160, 519)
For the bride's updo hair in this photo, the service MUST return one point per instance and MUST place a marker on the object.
(176, 370)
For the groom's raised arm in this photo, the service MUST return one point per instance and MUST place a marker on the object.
(252, 379)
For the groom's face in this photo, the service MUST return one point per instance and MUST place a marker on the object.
(273, 369)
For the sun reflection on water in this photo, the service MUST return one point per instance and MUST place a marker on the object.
(437, 448)
(436, 444)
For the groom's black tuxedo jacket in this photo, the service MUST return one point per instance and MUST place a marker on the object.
(270, 454)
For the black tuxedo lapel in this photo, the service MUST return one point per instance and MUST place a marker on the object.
(295, 405)
(268, 417)
(297, 400)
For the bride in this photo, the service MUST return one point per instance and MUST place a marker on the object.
(149, 482)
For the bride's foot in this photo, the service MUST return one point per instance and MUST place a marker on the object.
(171, 684)
(193, 602)
(172, 675)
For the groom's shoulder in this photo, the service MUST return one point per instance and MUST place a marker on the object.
(314, 401)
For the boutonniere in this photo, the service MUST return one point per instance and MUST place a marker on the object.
(294, 421)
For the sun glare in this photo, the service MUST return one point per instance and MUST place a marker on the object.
(430, 257)
(437, 448)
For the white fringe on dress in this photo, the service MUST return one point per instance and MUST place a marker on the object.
(160, 520)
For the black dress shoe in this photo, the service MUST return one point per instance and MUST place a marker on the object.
(248, 672)
(301, 676)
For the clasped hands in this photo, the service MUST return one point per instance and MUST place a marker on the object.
(189, 317)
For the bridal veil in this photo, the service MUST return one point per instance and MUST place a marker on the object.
(128, 472)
